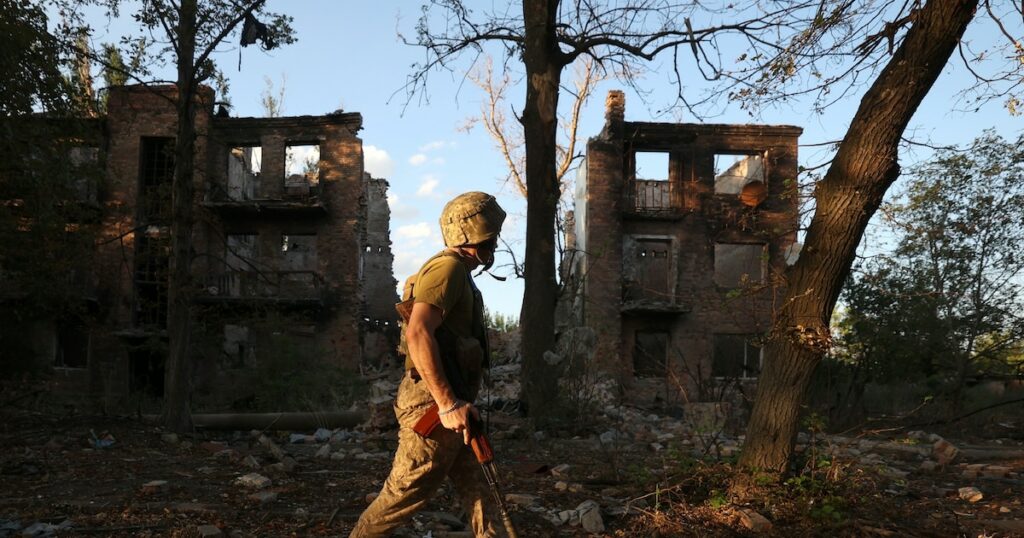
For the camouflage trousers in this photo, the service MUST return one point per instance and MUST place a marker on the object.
(420, 466)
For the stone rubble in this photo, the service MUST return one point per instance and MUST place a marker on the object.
(253, 480)
(970, 494)
(754, 521)
(590, 516)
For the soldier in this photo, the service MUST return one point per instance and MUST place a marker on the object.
(445, 344)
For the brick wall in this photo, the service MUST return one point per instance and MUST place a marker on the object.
(696, 307)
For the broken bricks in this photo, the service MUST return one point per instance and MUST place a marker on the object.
(944, 452)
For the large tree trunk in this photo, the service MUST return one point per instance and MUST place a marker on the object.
(852, 189)
(177, 414)
(544, 65)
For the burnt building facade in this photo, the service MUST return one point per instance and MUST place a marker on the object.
(681, 232)
(291, 250)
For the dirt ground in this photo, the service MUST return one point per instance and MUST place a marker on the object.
(89, 476)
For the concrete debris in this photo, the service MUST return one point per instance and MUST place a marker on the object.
(561, 471)
(944, 452)
(381, 413)
(382, 456)
(566, 517)
(343, 436)
(169, 438)
(590, 516)
(970, 494)
(154, 486)
(272, 447)
(286, 465)
(253, 480)
(208, 531)
(264, 497)
(521, 499)
(324, 452)
(382, 388)
(561, 486)
(339, 455)
(192, 508)
(754, 521)
(40, 529)
(608, 437)
(250, 462)
(445, 519)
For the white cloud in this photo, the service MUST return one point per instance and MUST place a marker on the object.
(438, 161)
(400, 210)
(406, 263)
(417, 159)
(377, 162)
(428, 186)
(436, 145)
(420, 230)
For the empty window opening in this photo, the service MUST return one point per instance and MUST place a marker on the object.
(152, 264)
(241, 251)
(739, 264)
(650, 353)
(736, 356)
(84, 160)
(651, 180)
(238, 352)
(733, 172)
(156, 174)
(146, 369)
(652, 166)
(649, 276)
(80, 156)
(301, 165)
(244, 166)
(299, 252)
(72, 346)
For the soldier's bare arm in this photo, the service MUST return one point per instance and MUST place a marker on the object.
(426, 357)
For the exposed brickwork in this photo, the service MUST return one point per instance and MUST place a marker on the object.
(321, 288)
(690, 217)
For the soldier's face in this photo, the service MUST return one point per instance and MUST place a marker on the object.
(485, 251)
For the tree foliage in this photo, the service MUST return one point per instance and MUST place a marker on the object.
(947, 301)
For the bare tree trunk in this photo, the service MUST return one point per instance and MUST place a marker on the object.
(176, 413)
(544, 62)
(852, 189)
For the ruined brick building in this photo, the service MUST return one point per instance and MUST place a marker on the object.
(681, 231)
(292, 259)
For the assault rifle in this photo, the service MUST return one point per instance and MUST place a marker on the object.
(481, 447)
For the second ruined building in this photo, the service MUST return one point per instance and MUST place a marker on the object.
(679, 236)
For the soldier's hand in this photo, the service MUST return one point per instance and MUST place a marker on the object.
(461, 420)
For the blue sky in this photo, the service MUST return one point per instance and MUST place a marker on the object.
(349, 56)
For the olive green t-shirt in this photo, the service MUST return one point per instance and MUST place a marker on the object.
(445, 283)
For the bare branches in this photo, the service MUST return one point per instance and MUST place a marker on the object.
(508, 135)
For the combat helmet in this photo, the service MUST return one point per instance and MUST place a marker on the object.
(470, 219)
